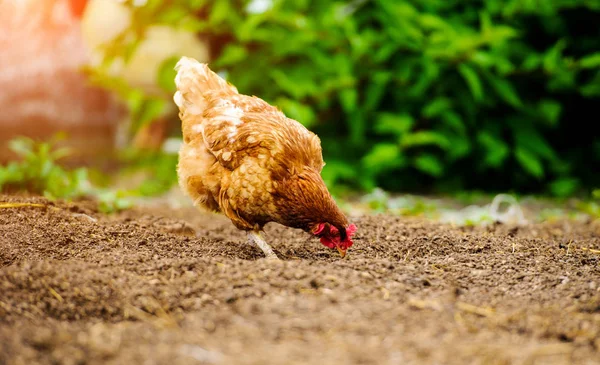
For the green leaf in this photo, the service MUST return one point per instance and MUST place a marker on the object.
(483, 59)
(396, 124)
(376, 89)
(349, 99)
(506, 91)
(592, 88)
(383, 157)
(171, 15)
(461, 146)
(194, 25)
(564, 187)
(429, 75)
(423, 138)
(22, 146)
(231, 55)
(486, 22)
(45, 169)
(436, 107)
(496, 149)
(297, 111)
(219, 12)
(59, 153)
(590, 61)
(296, 84)
(529, 162)
(472, 80)
(336, 170)
(430, 21)
(553, 58)
(532, 62)
(358, 127)
(385, 52)
(531, 140)
(550, 111)
(504, 66)
(429, 164)
(454, 121)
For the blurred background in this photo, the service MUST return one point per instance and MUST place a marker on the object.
(432, 97)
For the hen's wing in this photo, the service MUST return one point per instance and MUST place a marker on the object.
(238, 126)
(198, 171)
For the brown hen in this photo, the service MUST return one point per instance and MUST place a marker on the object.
(244, 158)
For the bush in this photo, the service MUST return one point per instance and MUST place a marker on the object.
(422, 95)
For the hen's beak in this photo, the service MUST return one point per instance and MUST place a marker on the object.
(341, 251)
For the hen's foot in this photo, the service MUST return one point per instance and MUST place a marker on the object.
(256, 238)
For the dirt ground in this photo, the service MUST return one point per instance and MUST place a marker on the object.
(165, 286)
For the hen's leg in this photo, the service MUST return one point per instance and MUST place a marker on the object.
(255, 237)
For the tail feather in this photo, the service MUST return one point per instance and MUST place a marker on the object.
(194, 80)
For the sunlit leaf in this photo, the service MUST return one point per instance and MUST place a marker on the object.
(529, 162)
(590, 61)
(22, 146)
(219, 12)
(436, 107)
(431, 21)
(429, 164)
(298, 111)
(483, 59)
(496, 149)
(423, 138)
(564, 187)
(396, 124)
(552, 58)
(336, 170)
(349, 99)
(383, 157)
(232, 54)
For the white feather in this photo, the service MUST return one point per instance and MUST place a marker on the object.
(198, 128)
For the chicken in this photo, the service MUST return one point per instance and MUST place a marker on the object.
(245, 159)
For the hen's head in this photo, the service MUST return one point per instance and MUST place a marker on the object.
(332, 237)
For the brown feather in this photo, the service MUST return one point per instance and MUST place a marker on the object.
(246, 159)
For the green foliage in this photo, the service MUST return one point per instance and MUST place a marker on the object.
(38, 171)
(412, 95)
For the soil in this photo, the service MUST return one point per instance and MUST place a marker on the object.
(157, 285)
